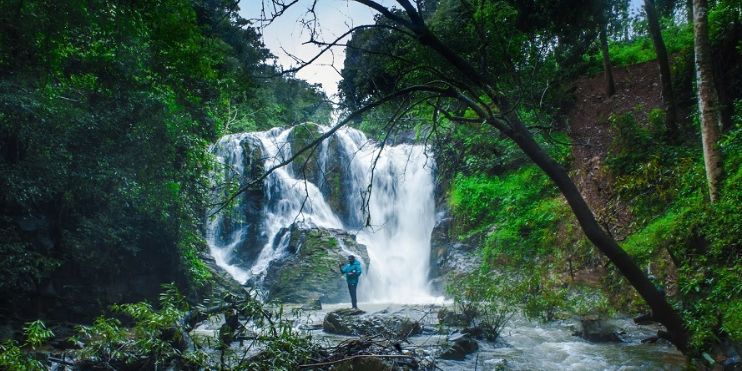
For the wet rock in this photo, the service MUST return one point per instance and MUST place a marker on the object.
(353, 322)
(644, 319)
(450, 318)
(306, 165)
(448, 256)
(326, 166)
(338, 322)
(309, 272)
(497, 364)
(596, 329)
(461, 345)
(248, 216)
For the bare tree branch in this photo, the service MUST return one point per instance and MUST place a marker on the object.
(329, 133)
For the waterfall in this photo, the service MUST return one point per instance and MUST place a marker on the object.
(395, 222)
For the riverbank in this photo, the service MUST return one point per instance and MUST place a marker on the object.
(522, 345)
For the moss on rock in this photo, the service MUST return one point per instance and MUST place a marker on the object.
(306, 165)
(310, 270)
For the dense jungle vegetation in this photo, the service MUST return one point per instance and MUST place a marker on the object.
(530, 241)
(108, 109)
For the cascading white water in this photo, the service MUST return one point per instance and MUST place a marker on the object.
(400, 209)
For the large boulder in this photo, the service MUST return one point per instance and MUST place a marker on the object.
(355, 322)
(596, 329)
(309, 271)
(448, 256)
(328, 167)
(248, 216)
(459, 346)
(306, 165)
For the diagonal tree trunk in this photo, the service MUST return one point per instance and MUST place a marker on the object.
(708, 103)
(512, 127)
(478, 92)
(668, 98)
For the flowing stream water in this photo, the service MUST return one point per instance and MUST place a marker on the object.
(401, 213)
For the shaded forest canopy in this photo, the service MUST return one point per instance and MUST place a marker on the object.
(107, 112)
(107, 109)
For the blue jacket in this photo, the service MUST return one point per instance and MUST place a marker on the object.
(352, 272)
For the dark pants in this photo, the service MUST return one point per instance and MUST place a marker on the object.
(352, 289)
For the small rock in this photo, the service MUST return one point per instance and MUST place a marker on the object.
(597, 329)
(497, 364)
(461, 347)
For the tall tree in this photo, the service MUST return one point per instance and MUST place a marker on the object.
(440, 72)
(610, 84)
(664, 65)
(708, 102)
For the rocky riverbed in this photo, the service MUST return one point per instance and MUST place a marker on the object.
(522, 345)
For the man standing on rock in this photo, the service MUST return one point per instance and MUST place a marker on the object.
(352, 271)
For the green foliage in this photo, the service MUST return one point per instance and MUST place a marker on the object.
(677, 38)
(282, 353)
(152, 338)
(529, 238)
(649, 172)
(732, 320)
(519, 207)
(156, 338)
(484, 298)
(36, 333)
(106, 114)
(14, 357)
(679, 233)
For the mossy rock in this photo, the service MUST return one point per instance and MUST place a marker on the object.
(336, 184)
(249, 216)
(331, 175)
(310, 270)
(306, 165)
(356, 322)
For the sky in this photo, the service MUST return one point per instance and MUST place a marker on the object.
(287, 34)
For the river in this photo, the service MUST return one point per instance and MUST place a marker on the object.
(527, 345)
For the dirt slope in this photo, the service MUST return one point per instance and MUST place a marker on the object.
(637, 91)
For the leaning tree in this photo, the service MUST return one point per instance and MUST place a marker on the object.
(448, 77)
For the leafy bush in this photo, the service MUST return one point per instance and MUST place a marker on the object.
(702, 240)
(159, 337)
(13, 356)
(519, 211)
(483, 300)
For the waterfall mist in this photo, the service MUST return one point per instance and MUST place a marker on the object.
(395, 222)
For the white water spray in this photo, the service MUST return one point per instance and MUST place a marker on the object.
(400, 209)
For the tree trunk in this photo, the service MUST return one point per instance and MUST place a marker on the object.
(610, 85)
(662, 311)
(664, 64)
(519, 133)
(689, 11)
(708, 105)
